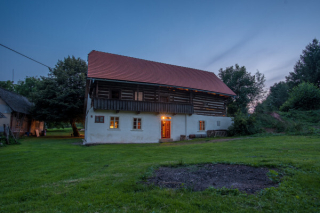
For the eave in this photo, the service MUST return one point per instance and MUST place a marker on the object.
(161, 85)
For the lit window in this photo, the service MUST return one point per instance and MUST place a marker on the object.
(136, 123)
(138, 96)
(202, 125)
(114, 122)
(99, 119)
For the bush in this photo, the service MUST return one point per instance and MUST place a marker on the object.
(312, 116)
(305, 96)
(244, 125)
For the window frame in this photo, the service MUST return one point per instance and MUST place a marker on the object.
(99, 121)
(137, 97)
(133, 124)
(203, 126)
(118, 125)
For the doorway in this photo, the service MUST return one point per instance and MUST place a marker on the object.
(165, 129)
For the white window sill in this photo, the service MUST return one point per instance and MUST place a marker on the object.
(137, 130)
(114, 129)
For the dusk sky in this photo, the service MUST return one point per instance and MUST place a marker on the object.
(264, 35)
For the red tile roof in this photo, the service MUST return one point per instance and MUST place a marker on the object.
(117, 67)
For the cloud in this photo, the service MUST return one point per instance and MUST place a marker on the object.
(288, 65)
(279, 72)
(275, 79)
(234, 48)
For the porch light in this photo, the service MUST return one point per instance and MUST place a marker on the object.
(163, 117)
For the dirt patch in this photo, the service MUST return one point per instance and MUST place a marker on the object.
(270, 130)
(276, 116)
(200, 177)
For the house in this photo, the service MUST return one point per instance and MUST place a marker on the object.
(130, 100)
(14, 111)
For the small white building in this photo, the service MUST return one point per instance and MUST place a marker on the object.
(131, 100)
(14, 112)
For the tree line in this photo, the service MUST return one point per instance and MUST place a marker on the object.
(300, 90)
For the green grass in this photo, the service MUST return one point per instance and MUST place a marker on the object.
(54, 175)
(61, 132)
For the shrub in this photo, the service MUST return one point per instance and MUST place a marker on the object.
(244, 125)
(305, 96)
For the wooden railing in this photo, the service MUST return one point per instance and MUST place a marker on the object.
(142, 106)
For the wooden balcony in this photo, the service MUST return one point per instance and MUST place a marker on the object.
(142, 106)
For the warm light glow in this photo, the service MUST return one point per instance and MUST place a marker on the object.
(163, 117)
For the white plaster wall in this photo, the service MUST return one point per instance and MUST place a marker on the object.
(4, 108)
(151, 126)
(101, 133)
(6, 111)
(87, 117)
(210, 123)
(5, 120)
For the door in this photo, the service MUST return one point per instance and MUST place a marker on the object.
(165, 129)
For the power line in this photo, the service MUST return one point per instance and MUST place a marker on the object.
(25, 56)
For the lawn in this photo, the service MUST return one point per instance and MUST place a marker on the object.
(55, 175)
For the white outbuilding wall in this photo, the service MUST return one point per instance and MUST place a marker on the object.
(150, 129)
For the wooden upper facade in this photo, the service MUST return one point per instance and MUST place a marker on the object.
(121, 83)
(122, 96)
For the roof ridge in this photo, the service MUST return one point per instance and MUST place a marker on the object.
(153, 61)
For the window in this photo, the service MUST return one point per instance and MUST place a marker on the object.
(136, 123)
(115, 94)
(99, 119)
(202, 125)
(138, 96)
(114, 122)
(164, 99)
(218, 123)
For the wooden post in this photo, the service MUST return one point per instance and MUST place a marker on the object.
(191, 97)
(97, 89)
(6, 133)
(13, 135)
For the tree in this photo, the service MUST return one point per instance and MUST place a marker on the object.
(278, 94)
(305, 96)
(61, 94)
(29, 87)
(8, 85)
(248, 88)
(307, 69)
